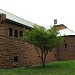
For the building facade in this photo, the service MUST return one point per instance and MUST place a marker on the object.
(13, 51)
(16, 53)
(66, 51)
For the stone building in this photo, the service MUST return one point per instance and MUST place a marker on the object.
(16, 53)
(13, 51)
(66, 51)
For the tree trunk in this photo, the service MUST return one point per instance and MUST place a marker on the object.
(44, 58)
(43, 64)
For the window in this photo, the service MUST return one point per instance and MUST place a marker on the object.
(10, 32)
(16, 33)
(55, 55)
(21, 34)
(65, 45)
(15, 59)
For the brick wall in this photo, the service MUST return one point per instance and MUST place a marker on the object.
(11, 47)
(2, 43)
(67, 53)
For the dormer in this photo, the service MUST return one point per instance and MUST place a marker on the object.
(60, 27)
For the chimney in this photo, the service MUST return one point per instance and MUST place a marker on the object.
(2, 17)
(55, 21)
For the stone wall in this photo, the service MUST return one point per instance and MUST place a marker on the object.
(11, 47)
(68, 52)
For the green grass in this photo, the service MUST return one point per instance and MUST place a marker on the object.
(54, 68)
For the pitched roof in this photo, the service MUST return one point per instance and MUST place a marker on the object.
(66, 31)
(17, 19)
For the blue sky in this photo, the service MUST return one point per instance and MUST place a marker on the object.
(43, 12)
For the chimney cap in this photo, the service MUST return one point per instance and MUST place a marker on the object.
(55, 21)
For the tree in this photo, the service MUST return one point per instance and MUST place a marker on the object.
(44, 40)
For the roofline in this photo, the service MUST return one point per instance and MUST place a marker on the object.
(61, 24)
(13, 14)
(25, 25)
(69, 36)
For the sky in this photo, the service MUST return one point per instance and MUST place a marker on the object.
(43, 12)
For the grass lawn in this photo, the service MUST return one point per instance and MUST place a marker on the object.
(54, 68)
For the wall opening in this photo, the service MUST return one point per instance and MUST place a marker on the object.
(20, 33)
(55, 55)
(16, 33)
(65, 45)
(10, 32)
(16, 59)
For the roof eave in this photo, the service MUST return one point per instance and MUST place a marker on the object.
(19, 24)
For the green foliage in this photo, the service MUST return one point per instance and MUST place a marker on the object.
(44, 39)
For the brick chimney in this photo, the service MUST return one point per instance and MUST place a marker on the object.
(55, 21)
(2, 17)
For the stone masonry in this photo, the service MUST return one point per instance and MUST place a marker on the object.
(13, 51)
(16, 53)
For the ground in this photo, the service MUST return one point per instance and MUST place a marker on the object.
(53, 68)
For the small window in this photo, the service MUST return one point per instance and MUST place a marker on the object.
(21, 34)
(55, 55)
(15, 59)
(10, 32)
(15, 66)
(16, 33)
(65, 45)
(74, 48)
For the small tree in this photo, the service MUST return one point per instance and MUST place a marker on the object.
(43, 40)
